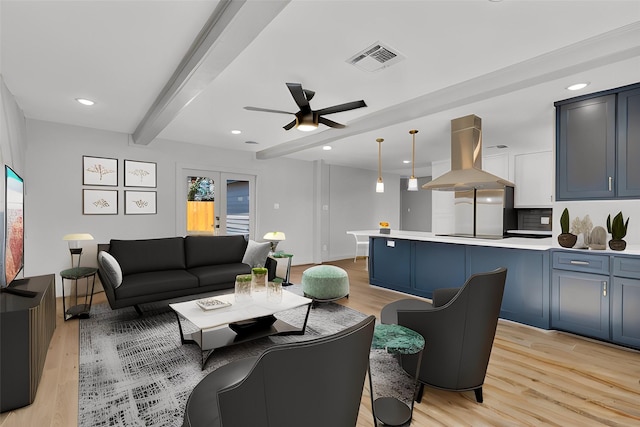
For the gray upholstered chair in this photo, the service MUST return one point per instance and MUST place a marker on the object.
(458, 328)
(312, 383)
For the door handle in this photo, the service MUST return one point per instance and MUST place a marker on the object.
(610, 183)
(604, 289)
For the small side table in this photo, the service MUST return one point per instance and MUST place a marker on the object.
(395, 339)
(289, 256)
(79, 310)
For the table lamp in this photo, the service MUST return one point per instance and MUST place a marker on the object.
(274, 237)
(74, 244)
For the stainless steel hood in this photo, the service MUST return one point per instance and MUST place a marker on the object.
(466, 160)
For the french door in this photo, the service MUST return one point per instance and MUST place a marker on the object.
(214, 203)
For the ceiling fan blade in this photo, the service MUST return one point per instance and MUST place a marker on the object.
(289, 125)
(267, 110)
(330, 123)
(342, 107)
(298, 95)
(308, 94)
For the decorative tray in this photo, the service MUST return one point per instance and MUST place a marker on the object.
(211, 303)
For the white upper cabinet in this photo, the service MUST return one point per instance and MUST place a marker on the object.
(534, 180)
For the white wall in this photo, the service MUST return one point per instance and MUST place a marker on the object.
(355, 205)
(54, 201)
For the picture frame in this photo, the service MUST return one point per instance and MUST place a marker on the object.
(139, 174)
(99, 202)
(140, 202)
(100, 171)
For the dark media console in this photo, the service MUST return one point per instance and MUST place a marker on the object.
(26, 328)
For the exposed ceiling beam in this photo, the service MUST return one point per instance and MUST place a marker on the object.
(233, 25)
(613, 46)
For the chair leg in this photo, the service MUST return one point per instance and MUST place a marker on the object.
(478, 392)
(419, 394)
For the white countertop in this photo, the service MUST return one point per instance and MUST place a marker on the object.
(542, 244)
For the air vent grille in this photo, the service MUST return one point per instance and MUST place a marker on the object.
(375, 57)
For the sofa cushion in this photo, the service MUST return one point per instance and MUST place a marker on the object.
(219, 274)
(256, 253)
(156, 283)
(213, 250)
(140, 256)
(111, 268)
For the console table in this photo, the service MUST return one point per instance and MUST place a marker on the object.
(26, 328)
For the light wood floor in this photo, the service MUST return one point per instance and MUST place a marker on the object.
(534, 378)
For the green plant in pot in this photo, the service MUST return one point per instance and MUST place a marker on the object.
(618, 229)
(566, 239)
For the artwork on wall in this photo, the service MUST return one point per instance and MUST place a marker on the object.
(99, 171)
(99, 202)
(139, 202)
(139, 174)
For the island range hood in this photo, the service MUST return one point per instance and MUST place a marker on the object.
(466, 160)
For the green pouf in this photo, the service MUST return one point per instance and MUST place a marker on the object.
(325, 283)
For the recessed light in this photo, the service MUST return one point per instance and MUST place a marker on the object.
(578, 86)
(326, 147)
(406, 161)
(85, 101)
(236, 132)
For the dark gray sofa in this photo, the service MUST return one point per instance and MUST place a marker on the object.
(165, 268)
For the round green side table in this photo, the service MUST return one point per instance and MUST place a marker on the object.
(395, 339)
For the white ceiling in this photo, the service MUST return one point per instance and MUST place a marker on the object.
(505, 61)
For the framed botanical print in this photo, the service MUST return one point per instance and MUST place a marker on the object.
(139, 174)
(139, 202)
(99, 171)
(99, 202)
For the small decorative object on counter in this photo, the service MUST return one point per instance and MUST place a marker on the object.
(274, 290)
(582, 229)
(618, 229)
(384, 227)
(598, 239)
(566, 239)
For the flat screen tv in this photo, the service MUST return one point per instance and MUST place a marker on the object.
(14, 225)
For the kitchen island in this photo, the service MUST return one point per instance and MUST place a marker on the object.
(595, 293)
(418, 262)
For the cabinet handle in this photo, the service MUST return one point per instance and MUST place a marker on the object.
(574, 262)
(604, 289)
(610, 183)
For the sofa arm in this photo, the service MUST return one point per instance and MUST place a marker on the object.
(443, 296)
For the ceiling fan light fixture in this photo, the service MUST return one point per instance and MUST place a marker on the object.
(308, 123)
(413, 181)
(379, 184)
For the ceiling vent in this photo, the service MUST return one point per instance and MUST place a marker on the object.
(375, 57)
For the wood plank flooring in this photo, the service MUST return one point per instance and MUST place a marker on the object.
(535, 377)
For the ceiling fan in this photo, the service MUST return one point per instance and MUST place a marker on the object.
(308, 119)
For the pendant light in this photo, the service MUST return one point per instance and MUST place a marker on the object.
(413, 181)
(380, 184)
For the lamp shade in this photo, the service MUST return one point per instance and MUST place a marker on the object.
(78, 236)
(413, 184)
(274, 236)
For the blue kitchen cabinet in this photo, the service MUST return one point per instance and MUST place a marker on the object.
(580, 292)
(628, 143)
(526, 293)
(438, 265)
(625, 307)
(390, 263)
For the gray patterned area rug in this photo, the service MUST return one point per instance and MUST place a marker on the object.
(135, 372)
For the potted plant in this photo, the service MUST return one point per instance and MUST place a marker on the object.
(259, 279)
(566, 239)
(618, 229)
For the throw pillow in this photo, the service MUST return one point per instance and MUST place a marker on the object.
(256, 253)
(111, 268)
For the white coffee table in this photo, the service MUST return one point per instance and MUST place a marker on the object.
(252, 319)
